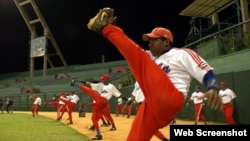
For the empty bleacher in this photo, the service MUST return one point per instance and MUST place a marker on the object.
(49, 85)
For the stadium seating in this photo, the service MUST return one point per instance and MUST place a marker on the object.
(49, 85)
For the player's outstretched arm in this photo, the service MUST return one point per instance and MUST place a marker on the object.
(77, 81)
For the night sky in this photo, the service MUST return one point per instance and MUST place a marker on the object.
(67, 21)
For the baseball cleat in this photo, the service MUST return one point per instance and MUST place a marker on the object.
(97, 137)
(113, 129)
(173, 121)
(70, 123)
(105, 125)
(205, 123)
(165, 139)
(102, 18)
(59, 118)
(92, 128)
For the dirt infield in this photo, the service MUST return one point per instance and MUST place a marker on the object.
(81, 124)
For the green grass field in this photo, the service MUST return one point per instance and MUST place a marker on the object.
(23, 127)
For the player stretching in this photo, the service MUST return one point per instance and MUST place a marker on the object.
(164, 76)
(118, 108)
(59, 104)
(101, 92)
(126, 109)
(37, 101)
(70, 103)
(138, 97)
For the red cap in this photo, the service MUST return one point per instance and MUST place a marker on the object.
(104, 76)
(61, 93)
(157, 33)
(222, 83)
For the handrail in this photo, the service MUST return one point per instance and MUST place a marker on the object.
(216, 33)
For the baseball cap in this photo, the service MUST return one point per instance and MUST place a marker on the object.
(104, 76)
(198, 87)
(222, 83)
(157, 33)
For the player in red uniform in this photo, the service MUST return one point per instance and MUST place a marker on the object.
(37, 101)
(100, 92)
(228, 98)
(163, 78)
(197, 97)
(60, 105)
(70, 102)
(118, 108)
